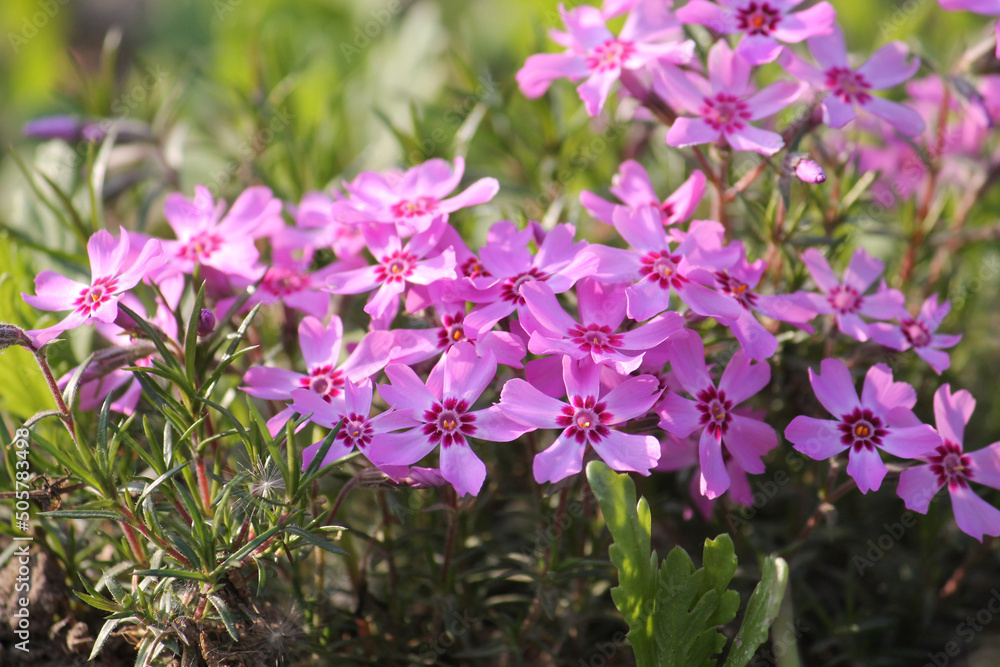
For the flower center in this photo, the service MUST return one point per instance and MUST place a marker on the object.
(414, 208)
(93, 297)
(661, 266)
(325, 381)
(715, 411)
(200, 247)
(585, 420)
(844, 299)
(725, 112)
(285, 282)
(951, 466)
(512, 287)
(356, 431)
(447, 422)
(848, 85)
(736, 288)
(452, 330)
(396, 267)
(758, 18)
(471, 268)
(861, 429)
(609, 55)
(916, 332)
(595, 337)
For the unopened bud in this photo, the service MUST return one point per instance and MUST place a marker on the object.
(206, 322)
(809, 171)
(424, 478)
(111, 359)
(67, 128)
(11, 335)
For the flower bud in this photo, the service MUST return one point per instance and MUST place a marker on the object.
(206, 322)
(67, 128)
(11, 335)
(809, 171)
(424, 478)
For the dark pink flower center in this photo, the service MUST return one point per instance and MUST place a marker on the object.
(848, 85)
(725, 113)
(95, 296)
(736, 288)
(452, 330)
(715, 411)
(356, 431)
(325, 381)
(595, 337)
(861, 430)
(471, 268)
(585, 420)
(395, 268)
(844, 299)
(511, 290)
(661, 266)
(610, 55)
(951, 466)
(284, 282)
(916, 332)
(414, 208)
(447, 422)
(200, 247)
(758, 18)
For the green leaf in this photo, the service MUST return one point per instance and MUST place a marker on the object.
(227, 616)
(102, 637)
(761, 611)
(316, 540)
(177, 574)
(84, 514)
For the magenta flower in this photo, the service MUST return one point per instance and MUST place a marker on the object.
(587, 418)
(746, 439)
(651, 33)
(225, 243)
(414, 199)
(851, 89)
(882, 419)
(987, 7)
(602, 311)
(949, 465)
(324, 375)
(724, 104)
(397, 266)
(111, 276)
(442, 415)
(317, 218)
(656, 268)
(918, 333)
(763, 23)
(846, 300)
(632, 186)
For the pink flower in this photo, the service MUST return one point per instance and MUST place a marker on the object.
(225, 243)
(442, 415)
(846, 300)
(882, 419)
(594, 53)
(112, 275)
(763, 23)
(850, 89)
(656, 268)
(724, 104)
(987, 7)
(597, 335)
(712, 412)
(414, 199)
(918, 333)
(632, 185)
(949, 465)
(324, 375)
(586, 419)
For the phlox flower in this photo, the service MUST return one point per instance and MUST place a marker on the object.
(325, 375)
(918, 333)
(112, 275)
(986, 7)
(949, 466)
(442, 415)
(723, 105)
(712, 412)
(851, 89)
(317, 217)
(651, 33)
(763, 23)
(586, 419)
(846, 300)
(632, 186)
(881, 419)
(596, 335)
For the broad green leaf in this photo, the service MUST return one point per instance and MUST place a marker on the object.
(761, 611)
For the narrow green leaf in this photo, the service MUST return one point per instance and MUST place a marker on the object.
(102, 637)
(227, 616)
(761, 611)
(316, 540)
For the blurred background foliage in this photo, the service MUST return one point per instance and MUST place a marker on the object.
(300, 94)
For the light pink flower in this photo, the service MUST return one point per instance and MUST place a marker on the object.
(987, 7)
(632, 186)
(918, 333)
